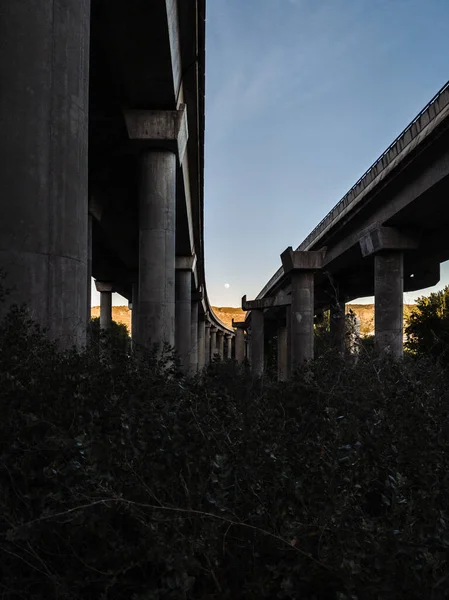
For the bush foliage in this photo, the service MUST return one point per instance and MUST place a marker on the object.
(122, 480)
(428, 328)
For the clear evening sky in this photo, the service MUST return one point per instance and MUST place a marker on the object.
(302, 96)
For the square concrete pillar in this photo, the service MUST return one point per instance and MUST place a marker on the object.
(228, 346)
(389, 302)
(220, 344)
(213, 342)
(201, 342)
(239, 341)
(257, 342)
(44, 112)
(301, 265)
(183, 318)
(282, 353)
(194, 337)
(156, 312)
(207, 342)
(105, 290)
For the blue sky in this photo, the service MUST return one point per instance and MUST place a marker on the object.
(302, 96)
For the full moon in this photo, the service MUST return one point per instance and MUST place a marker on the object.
(227, 286)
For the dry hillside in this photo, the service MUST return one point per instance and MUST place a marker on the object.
(365, 312)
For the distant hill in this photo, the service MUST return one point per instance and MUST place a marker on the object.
(364, 312)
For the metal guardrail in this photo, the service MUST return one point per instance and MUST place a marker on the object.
(413, 129)
(401, 138)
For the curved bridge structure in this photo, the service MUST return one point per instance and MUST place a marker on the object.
(101, 170)
(388, 235)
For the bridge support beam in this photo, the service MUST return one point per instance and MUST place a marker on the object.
(105, 290)
(282, 353)
(389, 302)
(44, 74)
(257, 342)
(301, 267)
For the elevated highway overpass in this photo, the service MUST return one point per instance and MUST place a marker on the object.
(387, 235)
(102, 168)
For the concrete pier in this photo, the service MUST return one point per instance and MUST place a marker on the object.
(389, 302)
(301, 265)
(105, 290)
(302, 311)
(220, 344)
(135, 311)
(201, 342)
(337, 324)
(207, 342)
(194, 337)
(228, 346)
(239, 341)
(44, 74)
(257, 342)
(282, 353)
(156, 314)
(213, 342)
(183, 318)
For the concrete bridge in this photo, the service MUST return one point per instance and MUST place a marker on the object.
(388, 235)
(101, 168)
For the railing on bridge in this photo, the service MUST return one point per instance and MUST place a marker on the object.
(439, 102)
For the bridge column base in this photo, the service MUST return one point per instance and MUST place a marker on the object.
(228, 346)
(213, 342)
(207, 342)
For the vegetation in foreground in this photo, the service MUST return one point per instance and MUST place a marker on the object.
(121, 480)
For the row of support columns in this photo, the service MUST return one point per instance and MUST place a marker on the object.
(295, 333)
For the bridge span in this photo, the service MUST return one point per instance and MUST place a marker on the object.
(387, 235)
(101, 168)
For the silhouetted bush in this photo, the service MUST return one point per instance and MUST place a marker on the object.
(120, 480)
(428, 328)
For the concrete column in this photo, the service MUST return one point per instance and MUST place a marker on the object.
(228, 346)
(89, 269)
(388, 306)
(337, 323)
(220, 344)
(240, 344)
(183, 318)
(135, 312)
(194, 337)
(207, 343)
(257, 342)
(201, 342)
(213, 342)
(302, 309)
(44, 75)
(156, 313)
(282, 353)
(105, 290)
